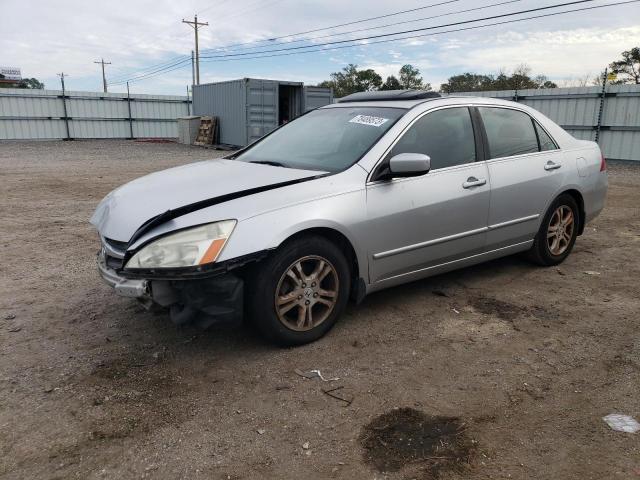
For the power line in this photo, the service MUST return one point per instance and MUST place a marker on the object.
(259, 5)
(120, 79)
(170, 68)
(389, 40)
(158, 70)
(123, 77)
(170, 63)
(412, 37)
(387, 15)
(213, 5)
(376, 27)
(415, 30)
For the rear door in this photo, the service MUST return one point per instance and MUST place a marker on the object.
(421, 222)
(525, 167)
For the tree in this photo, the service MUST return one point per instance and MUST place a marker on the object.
(368, 80)
(24, 83)
(628, 67)
(391, 83)
(410, 78)
(32, 83)
(520, 79)
(351, 80)
(467, 82)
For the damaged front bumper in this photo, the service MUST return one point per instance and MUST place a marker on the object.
(214, 298)
(124, 287)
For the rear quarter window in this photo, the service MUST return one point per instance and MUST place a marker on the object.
(546, 142)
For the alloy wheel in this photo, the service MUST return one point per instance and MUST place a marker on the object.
(306, 293)
(560, 230)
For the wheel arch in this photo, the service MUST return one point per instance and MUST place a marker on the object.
(341, 240)
(577, 196)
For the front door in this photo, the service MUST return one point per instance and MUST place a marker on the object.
(421, 222)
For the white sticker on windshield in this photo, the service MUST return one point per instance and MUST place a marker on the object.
(369, 120)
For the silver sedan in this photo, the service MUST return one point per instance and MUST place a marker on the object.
(374, 191)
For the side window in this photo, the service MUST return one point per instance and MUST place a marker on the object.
(445, 135)
(509, 132)
(546, 142)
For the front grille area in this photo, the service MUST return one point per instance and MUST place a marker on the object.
(114, 251)
(116, 246)
(113, 262)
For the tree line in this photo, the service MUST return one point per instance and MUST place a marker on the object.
(351, 79)
(24, 83)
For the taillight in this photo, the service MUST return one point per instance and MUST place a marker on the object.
(603, 164)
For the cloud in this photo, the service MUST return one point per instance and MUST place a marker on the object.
(69, 35)
(556, 54)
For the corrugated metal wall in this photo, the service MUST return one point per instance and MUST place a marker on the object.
(577, 111)
(39, 114)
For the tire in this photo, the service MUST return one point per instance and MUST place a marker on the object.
(279, 274)
(549, 251)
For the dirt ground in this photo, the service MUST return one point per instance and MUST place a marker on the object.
(526, 361)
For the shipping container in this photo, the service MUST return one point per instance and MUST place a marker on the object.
(249, 108)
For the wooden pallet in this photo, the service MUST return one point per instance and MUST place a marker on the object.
(207, 133)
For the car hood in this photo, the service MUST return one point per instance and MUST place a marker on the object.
(126, 208)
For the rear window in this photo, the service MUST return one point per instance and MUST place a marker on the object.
(510, 132)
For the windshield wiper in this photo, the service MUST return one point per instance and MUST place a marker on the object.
(268, 162)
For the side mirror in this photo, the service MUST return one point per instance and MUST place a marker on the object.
(409, 165)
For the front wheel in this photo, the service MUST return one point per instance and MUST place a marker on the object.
(298, 293)
(558, 232)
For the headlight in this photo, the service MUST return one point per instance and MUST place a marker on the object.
(187, 248)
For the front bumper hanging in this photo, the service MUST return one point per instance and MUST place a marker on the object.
(205, 301)
(124, 287)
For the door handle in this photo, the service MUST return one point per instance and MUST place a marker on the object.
(474, 182)
(552, 166)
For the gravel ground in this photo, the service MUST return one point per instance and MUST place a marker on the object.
(522, 361)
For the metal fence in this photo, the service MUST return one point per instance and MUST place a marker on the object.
(48, 114)
(609, 116)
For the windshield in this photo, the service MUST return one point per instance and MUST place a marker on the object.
(330, 139)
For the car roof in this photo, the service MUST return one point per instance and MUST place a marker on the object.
(389, 95)
(430, 102)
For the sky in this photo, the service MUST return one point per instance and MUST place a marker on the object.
(44, 38)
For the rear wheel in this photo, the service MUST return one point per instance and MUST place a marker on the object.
(298, 293)
(558, 232)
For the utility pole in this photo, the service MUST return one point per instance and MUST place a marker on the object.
(104, 78)
(193, 70)
(195, 24)
(64, 106)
